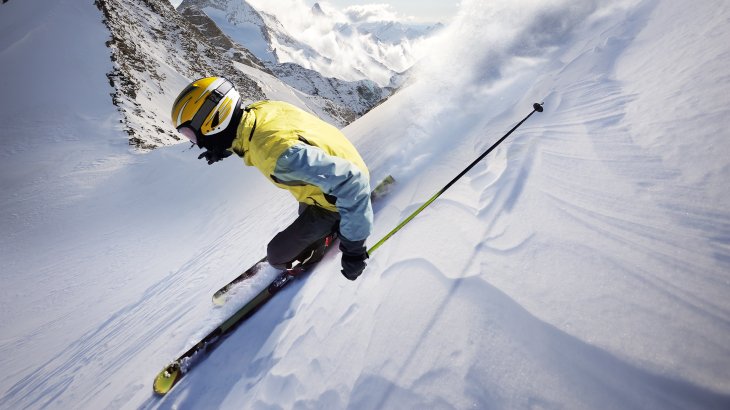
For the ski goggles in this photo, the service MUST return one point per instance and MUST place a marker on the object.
(189, 133)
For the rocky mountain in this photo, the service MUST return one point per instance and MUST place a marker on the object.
(218, 39)
(260, 31)
(240, 21)
(357, 96)
(157, 50)
(394, 32)
(350, 46)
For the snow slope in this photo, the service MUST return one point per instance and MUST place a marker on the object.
(584, 264)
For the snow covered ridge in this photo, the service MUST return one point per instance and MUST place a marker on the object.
(217, 38)
(155, 51)
(357, 96)
(338, 102)
(257, 31)
(351, 45)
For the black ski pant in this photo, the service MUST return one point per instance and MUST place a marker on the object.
(312, 225)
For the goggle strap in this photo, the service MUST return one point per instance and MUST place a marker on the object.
(210, 103)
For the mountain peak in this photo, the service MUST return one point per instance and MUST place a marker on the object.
(278, 34)
(317, 10)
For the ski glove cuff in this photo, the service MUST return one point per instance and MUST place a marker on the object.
(214, 156)
(354, 255)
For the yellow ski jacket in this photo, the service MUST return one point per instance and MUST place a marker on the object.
(309, 158)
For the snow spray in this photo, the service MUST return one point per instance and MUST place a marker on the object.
(535, 107)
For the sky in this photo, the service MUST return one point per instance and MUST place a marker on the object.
(419, 10)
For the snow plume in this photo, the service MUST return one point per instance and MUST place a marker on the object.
(509, 33)
(372, 13)
(486, 49)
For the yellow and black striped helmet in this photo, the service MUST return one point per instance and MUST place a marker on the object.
(205, 107)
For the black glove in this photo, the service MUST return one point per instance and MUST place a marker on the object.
(214, 156)
(354, 255)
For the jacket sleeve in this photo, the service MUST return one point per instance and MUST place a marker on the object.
(334, 176)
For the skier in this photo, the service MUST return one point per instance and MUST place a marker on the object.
(296, 151)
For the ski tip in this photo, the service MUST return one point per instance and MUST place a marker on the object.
(167, 378)
(220, 299)
(222, 295)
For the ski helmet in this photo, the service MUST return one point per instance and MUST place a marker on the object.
(205, 107)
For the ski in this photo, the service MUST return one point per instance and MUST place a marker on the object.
(169, 376)
(221, 296)
(174, 372)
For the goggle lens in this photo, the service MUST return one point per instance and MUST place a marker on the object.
(188, 133)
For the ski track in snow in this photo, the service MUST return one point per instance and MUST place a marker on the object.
(133, 329)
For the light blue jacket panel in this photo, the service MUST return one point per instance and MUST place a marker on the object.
(335, 176)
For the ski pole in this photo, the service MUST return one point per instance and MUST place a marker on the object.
(535, 107)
